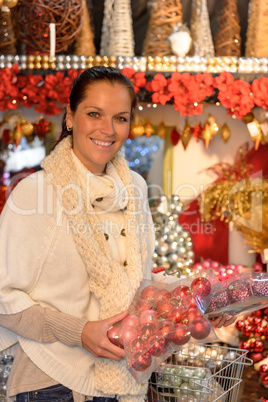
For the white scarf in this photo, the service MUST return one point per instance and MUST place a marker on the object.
(112, 283)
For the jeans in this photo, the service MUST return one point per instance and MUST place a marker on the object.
(56, 393)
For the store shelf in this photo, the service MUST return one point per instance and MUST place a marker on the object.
(167, 64)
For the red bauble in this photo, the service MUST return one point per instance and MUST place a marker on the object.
(264, 379)
(189, 301)
(191, 315)
(140, 361)
(163, 308)
(260, 331)
(166, 327)
(176, 314)
(199, 328)
(258, 346)
(129, 333)
(206, 264)
(256, 357)
(115, 336)
(257, 321)
(240, 324)
(263, 369)
(248, 330)
(245, 345)
(163, 294)
(180, 335)
(145, 331)
(144, 305)
(136, 345)
(130, 320)
(149, 293)
(148, 317)
(157, 345)
(201, 287)
(180, 291)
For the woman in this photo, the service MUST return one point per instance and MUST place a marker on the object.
(76, 241)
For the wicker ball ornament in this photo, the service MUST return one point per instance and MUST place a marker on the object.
(32, 19)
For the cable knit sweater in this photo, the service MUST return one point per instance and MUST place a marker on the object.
(57, 255)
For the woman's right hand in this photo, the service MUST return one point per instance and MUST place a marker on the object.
(95, 339)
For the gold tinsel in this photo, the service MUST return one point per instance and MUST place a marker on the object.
(84, 45)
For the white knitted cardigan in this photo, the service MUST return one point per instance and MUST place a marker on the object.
(112, 283)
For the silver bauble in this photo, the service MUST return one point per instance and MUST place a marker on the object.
(173, 257)
(189, 245)
(173, 247)
(184, 234)
(172, 237)
(163, 262)
(182, 251)
(178, 228)
(181, 240)
(162, 249)
(190, 255)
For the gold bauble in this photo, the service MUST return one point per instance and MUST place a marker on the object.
(225, 133)
(16, 134)
(10, 3)
(137, 129)
(162, 131)
(206, 135)
(214, 128)
(26, 128)
(148, 129)
(186, 135)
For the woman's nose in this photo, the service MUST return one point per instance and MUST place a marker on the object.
(108, 127)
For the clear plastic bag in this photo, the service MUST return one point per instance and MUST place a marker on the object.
(162, 318)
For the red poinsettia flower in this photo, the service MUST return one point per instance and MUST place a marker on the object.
(32, 92)
(42, 128)
(260, 92)
(9, 92)
(138, 80)
(48, 108)
(160, 88)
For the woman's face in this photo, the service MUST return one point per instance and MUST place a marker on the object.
(100, 124)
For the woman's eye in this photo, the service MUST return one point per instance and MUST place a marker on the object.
(121, 118)
(93, 114)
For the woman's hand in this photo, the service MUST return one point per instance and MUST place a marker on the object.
(95, 339)
(223, 320)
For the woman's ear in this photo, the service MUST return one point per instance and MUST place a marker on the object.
(69, 120)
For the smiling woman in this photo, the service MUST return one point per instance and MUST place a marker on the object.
(90, 240)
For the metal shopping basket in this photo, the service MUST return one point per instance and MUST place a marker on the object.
(199, 373)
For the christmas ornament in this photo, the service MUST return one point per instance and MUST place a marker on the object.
(191, 315)
(228, 40)
(27, 128)
(10, 3)
(238, 290)
(174, 249)
(174, 136)
(130, 320)
(201, 286)
(260, 288)
(180, 335)
(186, 135)
(140, 362)
(176, 314)
(162, 131)
(206, 135)
(148, 317)
(199, 328)
(200, 30)
(136, 345)
(157, 345)
(165, 15)
(117, 29)
(149, 293)
(181, 291)
(147, 330)
(128, 333)
(180, 40)
(115, 336)
(219, 300)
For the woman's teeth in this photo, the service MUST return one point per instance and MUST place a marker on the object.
(102, 143)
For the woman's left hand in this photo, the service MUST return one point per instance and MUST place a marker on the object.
(223, 320)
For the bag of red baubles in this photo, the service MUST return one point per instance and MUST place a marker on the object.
(162, 318)
(241, 294)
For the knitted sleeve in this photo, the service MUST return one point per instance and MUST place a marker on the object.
(27, 227)
(44, 325)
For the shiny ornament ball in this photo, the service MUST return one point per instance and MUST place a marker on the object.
(146, 330)
(206, 264)
(258, 346)
(149, 293)
(201, 287)
(144, 305)
(191, 315)
(148, 317)
(248, 330)
(130, 320)
(240, 324)
(129, 333)
(219, 301)
(264, 380)
(238, 291)
(157, 345)
(245, 346)
(263, 369)
(163, 308)
(162, 295)
(180, 335)
(140, 362)
(256, 357)
(199, 328)
(181, 291)
(189, 301)
(136, 345)
(166, 327)
(115, 336)
(176, 314)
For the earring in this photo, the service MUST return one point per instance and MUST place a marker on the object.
(69, 128)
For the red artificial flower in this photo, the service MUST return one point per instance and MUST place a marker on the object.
(42, 128)
(260, 92)
(57, 87)
(235, 95)
(160, 88)
(48, 108)
(138, 80)
(9, 92)
(32, 92)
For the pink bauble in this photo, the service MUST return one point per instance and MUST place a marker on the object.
(198, 266)
(140, 361)
(157, 345)
(176, 314)
(180, 291)
(163, 294)
(146, 330)
(144, 305)
(148, 317)
(163, 308)
(189, 301)
(136, 345)
(115, 336)
(206, 264)
(215, 264)
(128, 334)
(180, 335)
(199, 328)
(149, 293)
(130, 320)
(201, 287)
